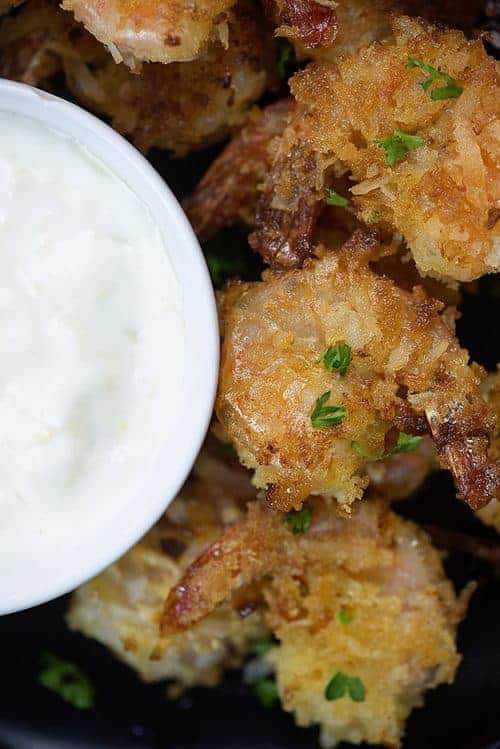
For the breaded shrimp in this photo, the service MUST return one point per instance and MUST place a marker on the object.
(364, 597)
(184, 106)
(407, 373)
(121, 607)
(180, 107)
(423, 160)
(162, 31)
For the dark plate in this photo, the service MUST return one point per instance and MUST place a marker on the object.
(129, 714)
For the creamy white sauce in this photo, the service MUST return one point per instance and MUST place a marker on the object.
(91, 342)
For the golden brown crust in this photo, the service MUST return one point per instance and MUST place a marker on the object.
(200, 590)
(407, 370)
(440, 195)
(228, 192)
(162, 31)
(376, 570)
(179, 107)
(357, 23)
(121, 607)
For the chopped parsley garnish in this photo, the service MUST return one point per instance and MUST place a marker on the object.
(298, 522)
(406, 443)
(397, 145)
(262, 646)
(340, 684)
(67, 680)
(451, 90)
(333, 198)
(266, 692)
(287, 62)
(360, 450)
(337, 357)
(323, 416)
(374, 217)
(344, 617)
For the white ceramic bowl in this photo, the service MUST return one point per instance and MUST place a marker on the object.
(40, 580)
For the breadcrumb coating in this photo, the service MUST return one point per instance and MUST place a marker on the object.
(442, 196)
(179, 107)
(407, 373)
(162, 31)
(355, 23)
(366, 597)
(121, 608)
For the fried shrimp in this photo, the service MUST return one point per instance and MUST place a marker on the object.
(414, 122)
(184, 106)
(179, 107)
(228, 192)
(306, 428)
(162, 31)
(331, 593)
(121, 608)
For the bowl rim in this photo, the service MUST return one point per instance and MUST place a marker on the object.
(201, 349)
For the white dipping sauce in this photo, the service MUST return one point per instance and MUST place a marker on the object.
(91, 342)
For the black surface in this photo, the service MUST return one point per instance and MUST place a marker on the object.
(128, 714)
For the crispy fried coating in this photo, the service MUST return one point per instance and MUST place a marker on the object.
(407, 373)
(227, 194)
(491, 389)
(179, 107)
(121, 607)
(185, 106)
(398, 613)
(353, 24)
(441, 197)
(162, 31)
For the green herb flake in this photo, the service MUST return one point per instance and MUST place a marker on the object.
(262, 646)
(298, 522)
(344, 617)
(333, 198)
(374, 217)
(337, 357)
(67, 680)
(397, 145)
(266, 692)
(287, 61)
(406, 443)
(451, 90)
(360, 450)
(341, 684)
(324, 417)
